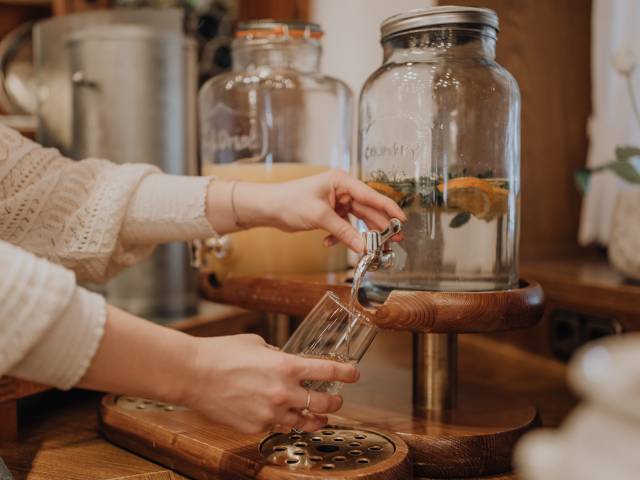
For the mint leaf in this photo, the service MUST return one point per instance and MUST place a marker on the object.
(582, 180)
(459, 220)
(626, 170)
(626, 152)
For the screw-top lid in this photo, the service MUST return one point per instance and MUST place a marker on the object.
(268, 28)
(428, 17)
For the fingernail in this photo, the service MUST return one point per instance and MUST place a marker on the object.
(330, 241)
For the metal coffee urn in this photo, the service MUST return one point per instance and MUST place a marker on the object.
(133, 100)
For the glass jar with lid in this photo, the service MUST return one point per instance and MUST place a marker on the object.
(439, 133)
(273, 118)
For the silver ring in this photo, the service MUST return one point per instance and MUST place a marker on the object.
(305, 410)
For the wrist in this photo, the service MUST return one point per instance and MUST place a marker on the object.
(185, 376)
(255, 204)
(237, 205)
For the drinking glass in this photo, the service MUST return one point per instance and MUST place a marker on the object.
(335, 331)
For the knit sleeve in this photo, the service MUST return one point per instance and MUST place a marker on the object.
(50, 328)
(92, 216)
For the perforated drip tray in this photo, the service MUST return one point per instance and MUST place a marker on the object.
(134, 403)
(332, 448)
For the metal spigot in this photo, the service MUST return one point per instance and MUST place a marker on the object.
(219, 246)
(375, 244)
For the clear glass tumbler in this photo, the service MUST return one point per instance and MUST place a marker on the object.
(332, 331)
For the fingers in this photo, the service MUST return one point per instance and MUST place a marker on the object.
(327, 370)
(372, 217)
(323, 402)
(319, 402)
(297, 417)
(330, 241)
(307, 423)
(291, 419)
(343, 231)
(369, 197)
(252, 338)
(312, 422)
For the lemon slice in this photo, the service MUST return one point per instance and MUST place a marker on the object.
(387, 191)
(499, 203)
(468, 194)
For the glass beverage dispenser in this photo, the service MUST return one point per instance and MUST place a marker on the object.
(273, 118)
(440, 135)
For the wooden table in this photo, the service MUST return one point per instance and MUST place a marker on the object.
(59, 438)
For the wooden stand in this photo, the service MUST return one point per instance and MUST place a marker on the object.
(455, 431)
(187, 442)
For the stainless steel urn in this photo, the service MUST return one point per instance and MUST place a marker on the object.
(133, 100)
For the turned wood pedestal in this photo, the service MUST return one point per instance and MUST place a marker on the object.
(455, 430)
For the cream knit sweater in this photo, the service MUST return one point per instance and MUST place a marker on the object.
(62, 221)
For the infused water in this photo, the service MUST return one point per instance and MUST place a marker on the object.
(458, 234)
(332, 388)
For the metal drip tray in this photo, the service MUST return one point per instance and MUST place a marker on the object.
(334, 448)
(145, 404)
(185, 440)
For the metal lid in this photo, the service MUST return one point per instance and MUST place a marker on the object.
(275, 28)
(428, 17)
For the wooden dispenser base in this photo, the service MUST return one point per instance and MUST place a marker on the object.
(475, 438)
(453, 431)
(187, 442)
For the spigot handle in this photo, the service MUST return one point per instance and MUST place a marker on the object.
(395, 227)
(374, 241)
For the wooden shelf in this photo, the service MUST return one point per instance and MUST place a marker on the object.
(27, 3)
(587, 284)
(584, 300)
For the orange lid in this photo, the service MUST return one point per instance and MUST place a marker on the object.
(274, 28)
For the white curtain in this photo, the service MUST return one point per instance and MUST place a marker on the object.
(615, 34)
(351, 45)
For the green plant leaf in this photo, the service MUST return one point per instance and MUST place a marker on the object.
(626, 152)
(627, 171)
(582, 180)
(460, 219)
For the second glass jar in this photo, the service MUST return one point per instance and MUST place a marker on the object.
(273, 118)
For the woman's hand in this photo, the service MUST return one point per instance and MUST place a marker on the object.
(324, 201)
(321, 201)
(236, 380)
(246, 384)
